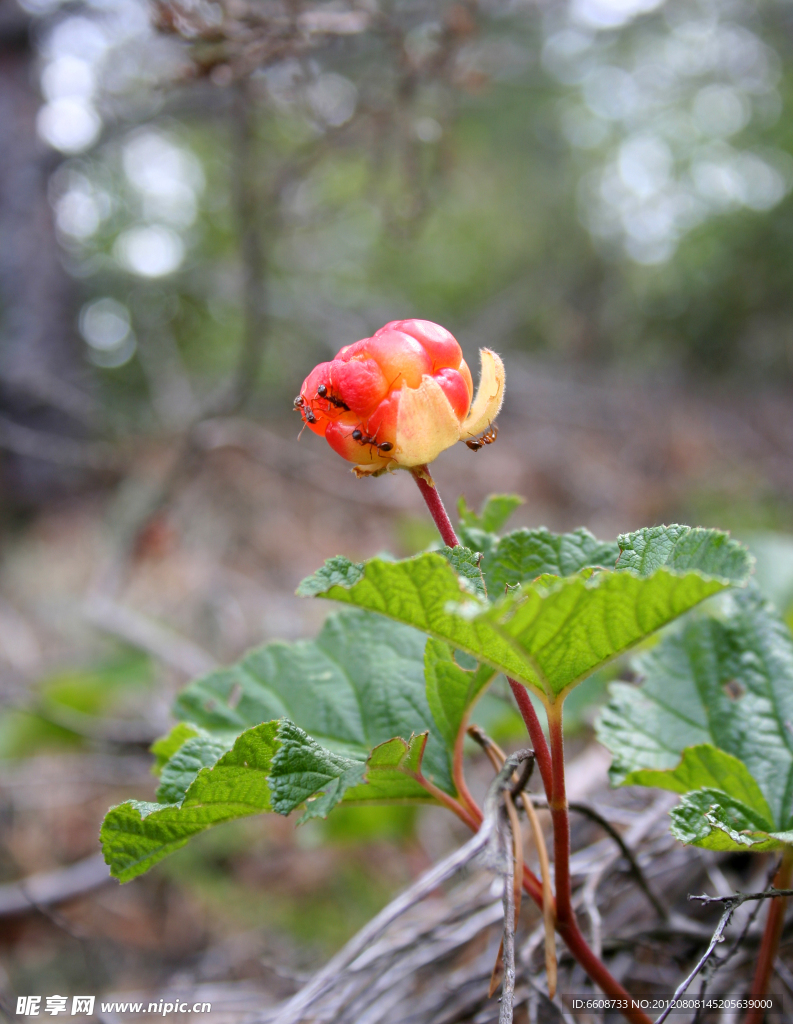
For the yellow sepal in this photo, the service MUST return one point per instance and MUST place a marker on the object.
(489, 395)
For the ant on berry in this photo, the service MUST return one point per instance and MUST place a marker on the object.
(304, 408)
(322, 392)
(488, 437)
(359, 436)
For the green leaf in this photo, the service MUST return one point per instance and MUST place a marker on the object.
(302, 767)
(550, 635)
(165, 747)
(197, 752)
(707, 767)
(718, 821)
(466, 563)
(353, 690)
(423, 592)
(523, 555)
(567, 628)
(478, 540)
(360, 683)
(684, 548)
(391, 773)
(724, 681)
(137, 835)
(336, 572)
(275, 766)
(451, 690)
(496, 510)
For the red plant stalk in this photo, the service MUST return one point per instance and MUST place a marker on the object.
(551, 765)
(541, 751)
(566, 923)
(771, 935)
(429, 492)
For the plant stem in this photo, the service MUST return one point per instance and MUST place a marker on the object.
(566, 923)
(458, 771)
(470, 815)
(429, 493)
(598, 972)
(561, 819)
(770, 944)
(551, 765)
(541, 751)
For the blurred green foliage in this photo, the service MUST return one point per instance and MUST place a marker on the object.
(65, 705)
(596, 186)
(319, 911)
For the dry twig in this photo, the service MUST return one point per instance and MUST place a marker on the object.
(508, 943)
(491, 828)
(731, 903)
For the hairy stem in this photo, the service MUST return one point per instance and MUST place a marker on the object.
(429, 493)
(770, 944)
(541, 751)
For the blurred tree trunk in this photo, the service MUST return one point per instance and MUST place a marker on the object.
(42, 374)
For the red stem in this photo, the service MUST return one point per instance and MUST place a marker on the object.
(598, 972)
(541, 751)
(561, 821)
(566, 923)
(429, 492)
(770, 944)
(471, 816)
(551, 765)
(458, 771)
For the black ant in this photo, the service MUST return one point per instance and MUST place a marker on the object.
(300, 405)
(322, 392)
(488, 437)
(383, 446)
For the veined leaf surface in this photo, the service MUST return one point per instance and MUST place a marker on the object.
(712, 714)
(360, 683)
(550, 634)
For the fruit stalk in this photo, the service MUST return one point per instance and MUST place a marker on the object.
(429, 493)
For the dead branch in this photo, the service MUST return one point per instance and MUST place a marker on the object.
(736, 899)
(52, 887)
(428, 882)
(492, 827)
(730, 903)
(497, 757)
(508, 945)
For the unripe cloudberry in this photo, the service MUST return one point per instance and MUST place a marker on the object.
(400, 397)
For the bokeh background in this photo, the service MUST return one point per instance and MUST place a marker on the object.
(198, 202)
